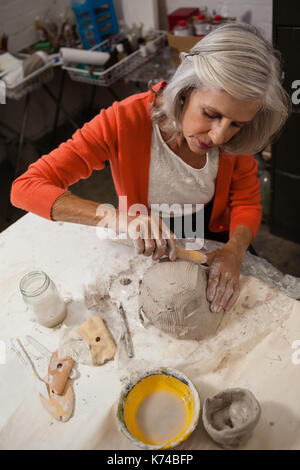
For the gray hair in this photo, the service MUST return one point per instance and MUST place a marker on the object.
(235, 58)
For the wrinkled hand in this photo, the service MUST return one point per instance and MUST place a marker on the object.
(151, 237)
(223, 281)
(149, 234)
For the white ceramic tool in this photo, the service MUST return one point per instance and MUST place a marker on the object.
(26, 361)
(46, 353)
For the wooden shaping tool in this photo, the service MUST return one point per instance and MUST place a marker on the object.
(190, 255)
(58, 373)
(99, 339)
(59, 406)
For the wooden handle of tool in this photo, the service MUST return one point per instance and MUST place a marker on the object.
(59, 406)
(58, 373)
(190, 255)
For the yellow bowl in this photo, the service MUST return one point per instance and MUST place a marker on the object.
(181, 405)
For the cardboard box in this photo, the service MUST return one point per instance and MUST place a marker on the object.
(181, 44)
(181, 14)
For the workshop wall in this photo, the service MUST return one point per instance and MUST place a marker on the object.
(258, 12)
(17, 19)
(145, 11)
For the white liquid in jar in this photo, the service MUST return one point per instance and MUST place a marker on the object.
(40, 294)
(161, 416)
(49, 309)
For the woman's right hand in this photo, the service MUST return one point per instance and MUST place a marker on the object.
(149, 233)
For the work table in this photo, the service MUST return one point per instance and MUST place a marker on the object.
(253, 350)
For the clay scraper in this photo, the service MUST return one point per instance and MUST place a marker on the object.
(190, 255)
(26, 361)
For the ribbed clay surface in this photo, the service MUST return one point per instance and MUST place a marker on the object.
(173, 298)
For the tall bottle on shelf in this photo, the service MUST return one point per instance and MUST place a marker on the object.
(181, 29)
(216, 22)
(201, 26)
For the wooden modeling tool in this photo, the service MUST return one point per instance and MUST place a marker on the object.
(58, 373)
(58, 370)
(59, 406)
(190, 255)
(101, 343)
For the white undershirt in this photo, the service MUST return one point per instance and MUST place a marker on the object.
(171, 180)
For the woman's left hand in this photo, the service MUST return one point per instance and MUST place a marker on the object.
(224, 274)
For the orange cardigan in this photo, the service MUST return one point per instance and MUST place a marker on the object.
(122, 134)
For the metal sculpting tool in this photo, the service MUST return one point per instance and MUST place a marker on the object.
(127, 335)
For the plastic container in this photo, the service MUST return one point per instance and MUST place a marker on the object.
(182, 29)
(216, 22)
(201, 26)
(117, 70)
(96, 20)
(134, 399)
(121, 52)
(30, 83)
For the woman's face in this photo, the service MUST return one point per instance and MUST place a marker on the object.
(210, 118)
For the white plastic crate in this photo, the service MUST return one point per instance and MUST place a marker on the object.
(120, 69)
(31, 82)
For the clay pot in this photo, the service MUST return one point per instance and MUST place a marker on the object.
(173, 298)
(231, 416)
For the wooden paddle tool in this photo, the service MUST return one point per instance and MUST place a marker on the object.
(58, 373)
(59, 406)
(59, 370)
(190, 255)
(100, 341)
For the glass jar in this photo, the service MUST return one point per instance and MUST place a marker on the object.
(42, 298)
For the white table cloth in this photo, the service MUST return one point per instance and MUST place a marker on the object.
(252, 349)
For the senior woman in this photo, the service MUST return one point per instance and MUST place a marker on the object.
(189, 141)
